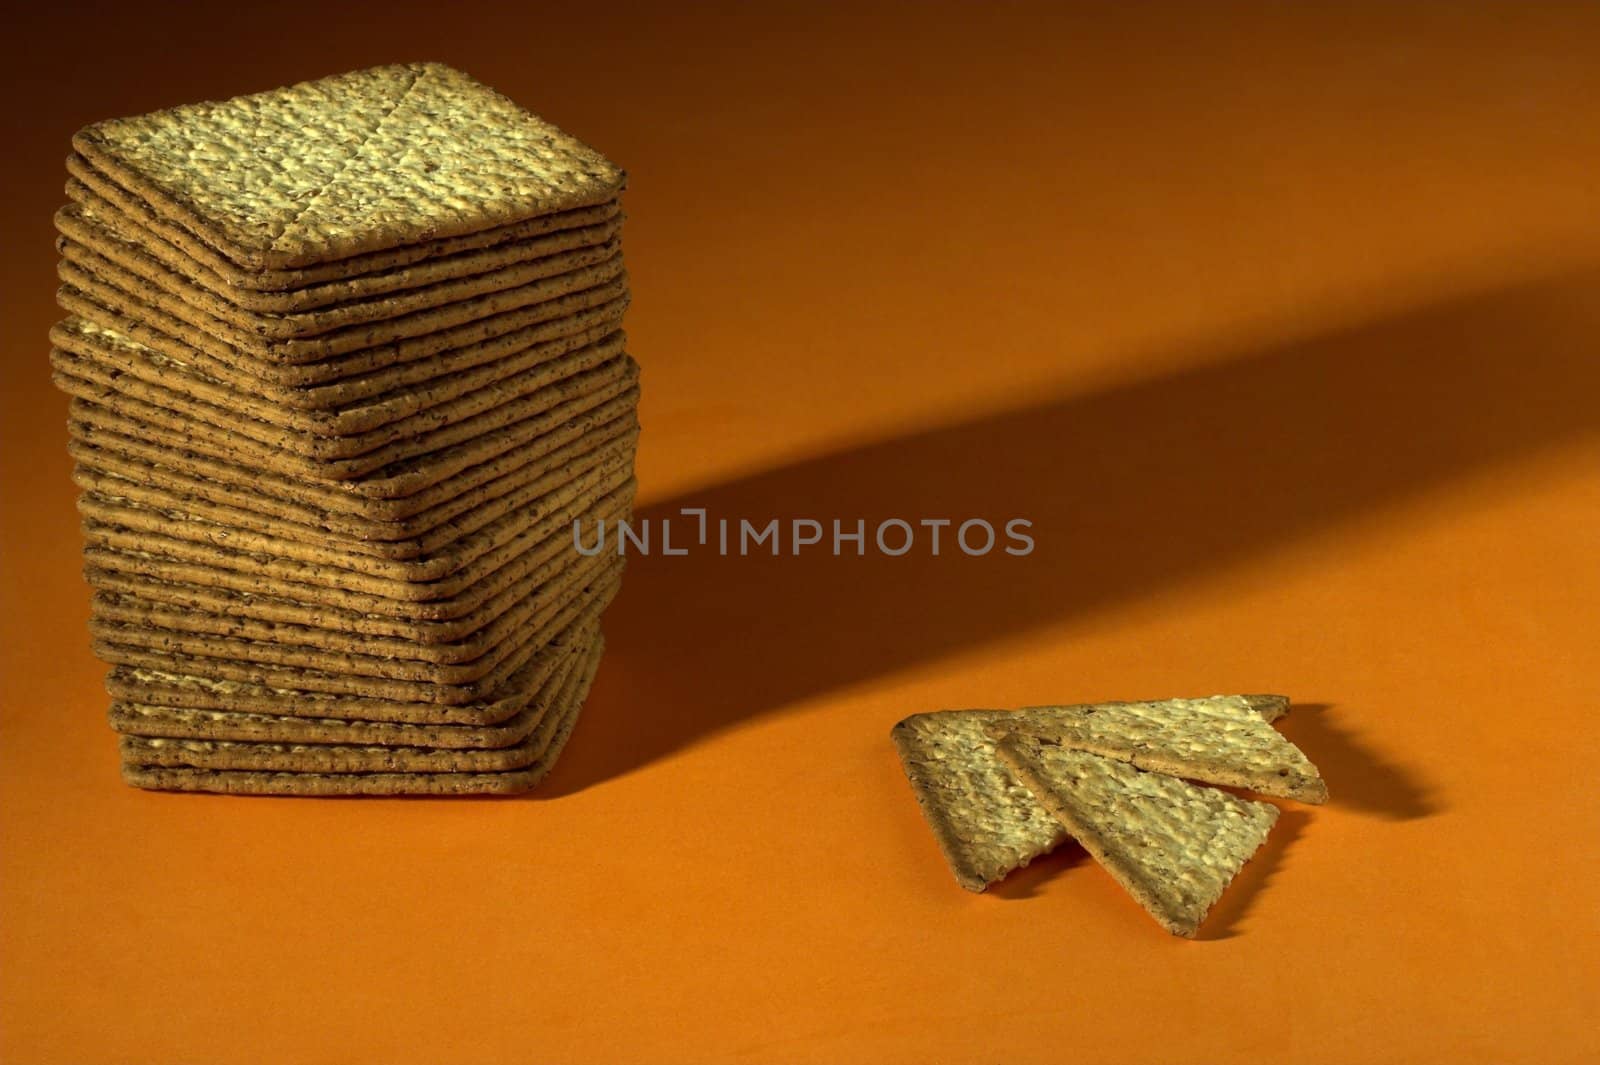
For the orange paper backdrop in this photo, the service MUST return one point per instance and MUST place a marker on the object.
(1280, 322)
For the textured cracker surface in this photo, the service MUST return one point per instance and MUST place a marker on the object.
(358, 162)
(195, 585)
(551, 737)
(210, 695)
(333, 382)
(134, 623)
(574, 468)
(90, 188)
(1220, 740)
(1174, 845)
(986, 822)
(116, 448)
(160, 487)
(129, 374)
(350, 407)
(398, 468)
(415, 335)
(191, 258)
(143, 652)
(326, 757)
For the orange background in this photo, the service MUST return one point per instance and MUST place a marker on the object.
(1281, 323)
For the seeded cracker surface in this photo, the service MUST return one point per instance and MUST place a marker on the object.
(328, 169)
(986, 822)
(1174, 845)
(1219, 741)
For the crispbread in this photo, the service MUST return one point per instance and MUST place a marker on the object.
(115, 652)
(204, 594)
(158, 689)
(167, 627)
(265, 592)
(183, 396)
(532, 682)
(429, 576)
(368, 476)
(1174, 846)
(344, 362)
(96, 248)
(109, 231)
(574, 468)
(431, 528)
(96, 433)
(337, 382)
(1217, 741)
(986, 823)
(610, 372)
(550, 737)
(350, 164)
(159, 626)
(169, 490)
(88, 186)
(443, 398)
(279, 757)
(432, 328)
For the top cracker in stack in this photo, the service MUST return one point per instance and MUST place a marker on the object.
(346, 362)
(363, 256)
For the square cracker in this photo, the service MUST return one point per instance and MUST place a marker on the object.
(290, 757)
(97, 432)
(606, 372)
(177, 491)
(332, 383)
(986, 822)
(355, 163)
(136, 622)
(277, 590)
(182, 393)
(549, 740)
(220, 384)
(340, 327)
(530, 685)
(138, 653)
(416, 263)
(190, 693)
(1173, 845)
(88, 218)
(390, 472)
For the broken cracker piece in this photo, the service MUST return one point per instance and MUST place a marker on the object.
(1220, 740)
(985, 821)
(1173, 845)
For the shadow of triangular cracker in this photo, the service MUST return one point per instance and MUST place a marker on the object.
(1359, 776)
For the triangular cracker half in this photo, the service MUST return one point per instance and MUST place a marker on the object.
(1217, 741)
(986, 822)
(1174, 845)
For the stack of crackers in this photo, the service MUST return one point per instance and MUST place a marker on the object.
(346, 365)
(1001, 787)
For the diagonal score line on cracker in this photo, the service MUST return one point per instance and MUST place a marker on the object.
(1173, 845)
(308, 203)
(986, 822)
(239, 172)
